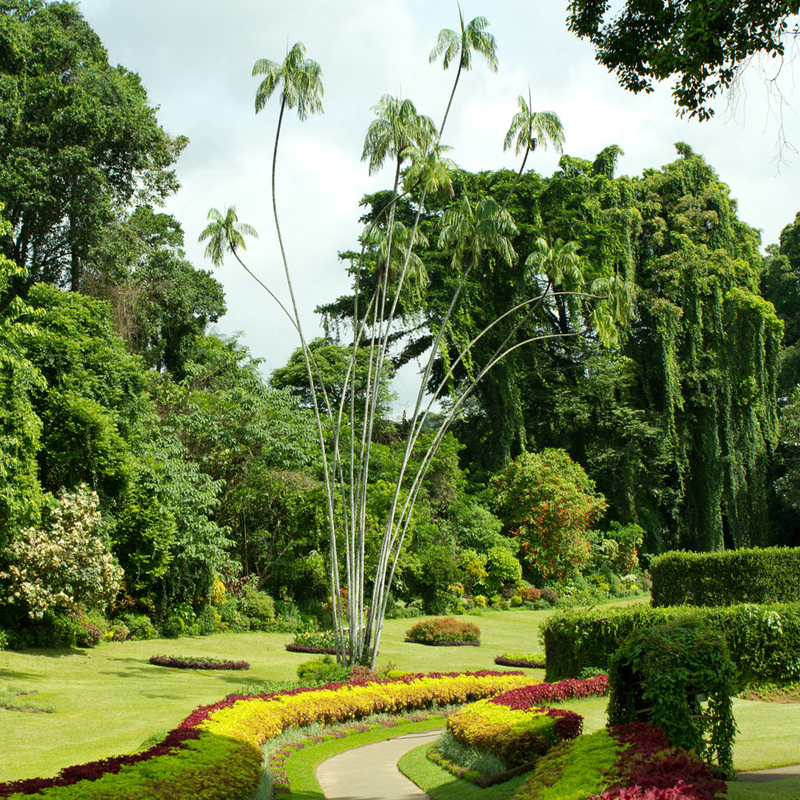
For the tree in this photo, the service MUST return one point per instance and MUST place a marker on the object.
(452, 46)
(331, 362)
(79, 141)
(703, 45)
(225, 232)
(530, 129)
(161, 303)
(549, 502)
(400, 132)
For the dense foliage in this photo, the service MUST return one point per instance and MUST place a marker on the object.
(763, 639)
(679, 677)
(748, 575)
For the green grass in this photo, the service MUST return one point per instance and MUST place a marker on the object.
(111, 700)
(781, 789)
(441, 785)
(14, 698)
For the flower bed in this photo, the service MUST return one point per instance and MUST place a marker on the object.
(534, 695)
(626, 762)
(527, 660)
(514, 735)
(444, 631)
(216, 751)
(192, 662)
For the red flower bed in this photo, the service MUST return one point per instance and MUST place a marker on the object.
(650, 769)
(540, 693)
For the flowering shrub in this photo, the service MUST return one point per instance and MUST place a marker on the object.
(216, 751)
(550, 503)
(444, 631)
(197, 663)
(513, 735)
(59, 567)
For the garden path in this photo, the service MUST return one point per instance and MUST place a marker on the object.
(371, 773)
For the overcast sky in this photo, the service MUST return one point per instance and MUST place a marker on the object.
(195, 59)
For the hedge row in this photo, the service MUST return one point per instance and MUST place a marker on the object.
(764, 640)
(770, 575)
(215, 753)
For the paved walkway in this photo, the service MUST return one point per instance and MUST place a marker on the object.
(371, 773)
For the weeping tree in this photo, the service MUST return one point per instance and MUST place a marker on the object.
(390, 280)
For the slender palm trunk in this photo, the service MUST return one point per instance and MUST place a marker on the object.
(329, 491)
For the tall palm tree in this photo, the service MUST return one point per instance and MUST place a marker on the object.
(471, 229)
(300, 82)
(398, 131)
(452, 46)
(225, 232)
(533, 129)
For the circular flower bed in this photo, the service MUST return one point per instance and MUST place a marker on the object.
(195, 662)
(444, 631)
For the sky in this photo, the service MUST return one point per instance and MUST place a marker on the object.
(195, 59)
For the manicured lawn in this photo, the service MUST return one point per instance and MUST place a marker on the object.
(110, 700)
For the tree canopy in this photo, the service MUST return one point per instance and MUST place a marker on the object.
(702, 45)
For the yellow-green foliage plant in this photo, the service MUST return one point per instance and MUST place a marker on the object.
(514, 735)
(216, 752)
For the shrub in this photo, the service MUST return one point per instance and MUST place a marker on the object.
(139, 626)
(67, 563)
(749, 575)
(323, 670)
(4, 641)
(90, 634)
(550, 596)
(517, 736)
(258, 606)
(119, 632)
(531, 594)
(665, 669)
(764, 641)
(549, 503)
(444, 631)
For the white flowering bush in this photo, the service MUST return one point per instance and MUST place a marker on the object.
(65, 564)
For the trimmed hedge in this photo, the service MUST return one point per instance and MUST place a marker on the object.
(752, 575)
(764, 640)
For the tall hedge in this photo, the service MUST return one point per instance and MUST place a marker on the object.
(764, 640)
(749, 575)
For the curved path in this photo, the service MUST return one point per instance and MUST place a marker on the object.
(371, 773)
